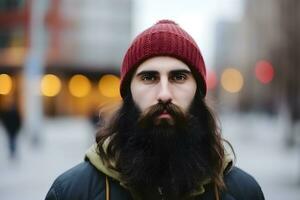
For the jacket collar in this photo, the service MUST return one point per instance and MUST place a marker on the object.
(92, 154)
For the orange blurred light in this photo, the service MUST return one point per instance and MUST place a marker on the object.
(79, 86)
(5, 84)
(50, 85)
(211, 80)
(109, 86)
(232, 80)
(264, 71)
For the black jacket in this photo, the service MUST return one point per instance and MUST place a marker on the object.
(85, 182)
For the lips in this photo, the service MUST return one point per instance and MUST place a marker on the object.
(164, 114)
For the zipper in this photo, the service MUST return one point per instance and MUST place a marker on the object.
(161, 193)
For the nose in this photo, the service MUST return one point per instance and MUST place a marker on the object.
(164, 93)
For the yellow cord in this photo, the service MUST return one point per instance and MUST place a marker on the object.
(106, 188)
(216, 192)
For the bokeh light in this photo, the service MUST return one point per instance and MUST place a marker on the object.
(211, 80)
(264, 71)
(232, 80)
(50, 85)
(79, 86)
(5, 84)
(109, 86)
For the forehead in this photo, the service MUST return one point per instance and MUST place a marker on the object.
(162, 64)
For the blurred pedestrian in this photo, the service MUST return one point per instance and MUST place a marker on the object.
(12, 123)
(163, 142)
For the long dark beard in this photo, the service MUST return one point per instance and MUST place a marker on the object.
(172, 154)
(175, 156)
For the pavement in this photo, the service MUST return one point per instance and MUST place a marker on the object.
(256, 138)
(258, 141)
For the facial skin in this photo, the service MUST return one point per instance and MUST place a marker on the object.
(174, 151)
(163, 79)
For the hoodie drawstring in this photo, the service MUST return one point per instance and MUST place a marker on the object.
(106, 188)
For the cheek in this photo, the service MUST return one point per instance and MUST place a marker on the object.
(141, 98)
(185, 97)
(187, 101)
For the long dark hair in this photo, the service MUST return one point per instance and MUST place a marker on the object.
(122, 121)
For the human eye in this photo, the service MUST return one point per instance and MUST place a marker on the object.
(148, 78)
(179, 77)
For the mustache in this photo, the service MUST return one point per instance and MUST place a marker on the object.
(149, 115)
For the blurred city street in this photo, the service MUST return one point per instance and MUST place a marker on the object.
(63, 145)
(62, 63)
(257, 140)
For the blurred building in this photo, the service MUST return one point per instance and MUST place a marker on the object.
(264, 48)
(85, 42)
(228, 46)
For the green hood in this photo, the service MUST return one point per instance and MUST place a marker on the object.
(93, 156)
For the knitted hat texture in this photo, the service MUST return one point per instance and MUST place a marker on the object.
(165, 38)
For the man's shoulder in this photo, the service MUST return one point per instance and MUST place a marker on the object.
(81, 171)
(242, 185)
(76, 182)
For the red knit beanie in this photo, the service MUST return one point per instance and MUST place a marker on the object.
(165, 38)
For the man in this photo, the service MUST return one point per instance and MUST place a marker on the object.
(12, 122)
(163, 142)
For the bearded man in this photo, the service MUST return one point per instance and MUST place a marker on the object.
(163, 142)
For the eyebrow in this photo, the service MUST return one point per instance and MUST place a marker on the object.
(185, 71)
(152, 72)
(147, 72)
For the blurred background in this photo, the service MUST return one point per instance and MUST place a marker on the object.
(59, 67)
